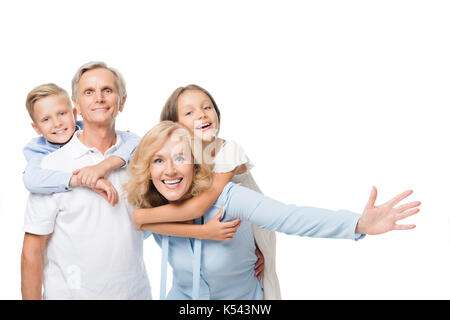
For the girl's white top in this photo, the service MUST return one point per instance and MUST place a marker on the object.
(229, 157)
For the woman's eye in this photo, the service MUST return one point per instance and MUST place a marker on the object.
(207, 108)
(45, 119)
(62, 113)
(157, 161)
(179, 159)
(188, 113)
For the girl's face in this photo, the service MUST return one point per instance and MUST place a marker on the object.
(196, 111)
(172, 169)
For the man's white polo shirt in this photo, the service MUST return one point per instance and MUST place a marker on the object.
(93, 251)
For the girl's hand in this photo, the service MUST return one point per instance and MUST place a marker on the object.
(383, 218)
(105, 188)
(259, 265)
(221, 231)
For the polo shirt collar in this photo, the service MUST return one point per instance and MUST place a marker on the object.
(78, 149)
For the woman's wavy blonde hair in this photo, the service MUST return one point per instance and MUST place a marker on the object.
(140, 189)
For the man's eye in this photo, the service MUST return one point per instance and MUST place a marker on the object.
(108, 91)
(88, 92)
(62, 113)
(45, 119)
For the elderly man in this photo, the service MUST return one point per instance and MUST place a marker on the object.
(77, 245)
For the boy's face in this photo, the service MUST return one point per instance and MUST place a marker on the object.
(54, 119)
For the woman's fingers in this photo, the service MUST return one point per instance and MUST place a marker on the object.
(407, 206)
(372, 198)
(404, 226)
(407, 213)
(394, 201)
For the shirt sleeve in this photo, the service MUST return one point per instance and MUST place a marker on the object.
(40, 214)
(39, 180)
(230, 157)
(273, 215)
(127, 148)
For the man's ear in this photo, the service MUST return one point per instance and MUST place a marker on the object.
(76, 107)
(75, 114)
(35, 127)
(122, 103)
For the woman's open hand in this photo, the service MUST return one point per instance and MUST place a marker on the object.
(383, 218)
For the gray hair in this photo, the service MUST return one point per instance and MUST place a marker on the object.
(120, 82)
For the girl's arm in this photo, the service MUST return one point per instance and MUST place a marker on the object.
(120, 158)
(187, 210)
(213, 229)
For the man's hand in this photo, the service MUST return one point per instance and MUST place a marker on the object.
(105, 188)
(259, 265)
(221, 231)
(383, 218)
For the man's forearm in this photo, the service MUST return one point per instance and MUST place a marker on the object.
(32, 266)
(32, 278)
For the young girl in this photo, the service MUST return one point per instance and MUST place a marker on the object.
(163, 170)
(195, 108)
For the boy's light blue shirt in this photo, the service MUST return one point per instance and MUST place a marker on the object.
(227, 268)
(44, 181)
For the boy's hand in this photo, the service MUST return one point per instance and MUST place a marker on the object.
(221, 231)
(105, 188)
(88, 176)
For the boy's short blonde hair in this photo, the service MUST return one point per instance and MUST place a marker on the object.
(43, 91)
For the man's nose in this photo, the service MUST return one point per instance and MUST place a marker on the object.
(99, 96)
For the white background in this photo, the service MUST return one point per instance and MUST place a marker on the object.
(327, 98)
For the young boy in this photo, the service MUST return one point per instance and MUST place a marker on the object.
(54, 119)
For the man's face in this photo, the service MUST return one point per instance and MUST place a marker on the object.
(54, 119)
(98, 96)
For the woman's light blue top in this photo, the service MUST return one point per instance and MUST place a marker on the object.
(227, 268)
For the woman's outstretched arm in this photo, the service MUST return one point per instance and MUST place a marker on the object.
(315, 222)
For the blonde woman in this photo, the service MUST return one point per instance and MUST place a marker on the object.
(164, 171)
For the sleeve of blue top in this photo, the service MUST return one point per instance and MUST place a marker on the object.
(43, 181)
(127, 148)
(273, 215)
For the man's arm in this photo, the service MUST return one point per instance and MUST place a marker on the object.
(32, 265)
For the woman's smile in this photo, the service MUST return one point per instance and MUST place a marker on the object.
(172, 169)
